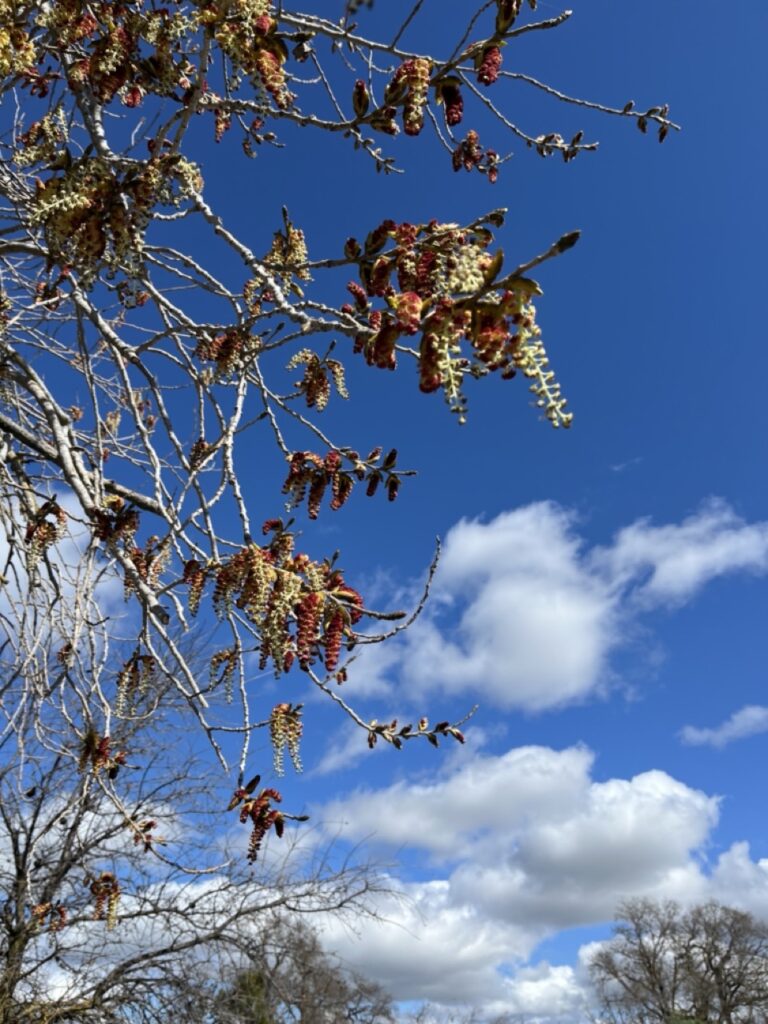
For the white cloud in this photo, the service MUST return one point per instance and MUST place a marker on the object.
(527, 614)
(483, 796)
(680, 559)
(523, 845)
(544, 991)
(748, 721)
(429, 946)
(741, 882)
(535, 626)
(622, 838)
(534, 840)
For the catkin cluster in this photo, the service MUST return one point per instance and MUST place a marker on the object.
(437, 280)
(285, 728)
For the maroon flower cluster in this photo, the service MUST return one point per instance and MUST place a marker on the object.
(489, 64)
(54, 914)
(470, 154)
(133, 679)
(144, 835)
(308, 618)
(310, 476)
(259, 811)
(117, 521)
(360, 98)
(96, 754)
(117, 49)
(270, 69)
(227, 350)
(106, 892)
(437, 280)
(42, 532)
(454, 103)
(300, 608)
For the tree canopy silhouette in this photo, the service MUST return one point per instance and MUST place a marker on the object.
(707, 965)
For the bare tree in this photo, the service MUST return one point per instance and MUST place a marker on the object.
(178, 357)
(707, 965)
(149, 356)
(122, 867)
(291, 978)
(116, 895)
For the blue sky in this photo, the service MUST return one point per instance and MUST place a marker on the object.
(601, 595)
(601, 589)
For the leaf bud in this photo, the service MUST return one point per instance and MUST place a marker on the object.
(360, 98)
(390, 460)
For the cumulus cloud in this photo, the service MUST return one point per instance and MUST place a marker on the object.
(740, 881)
(482, 797)
(428, 946)
(534, 623)
(526, 613)
(543, 992)
(534, 839)
(748, 721)
(523, 845)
